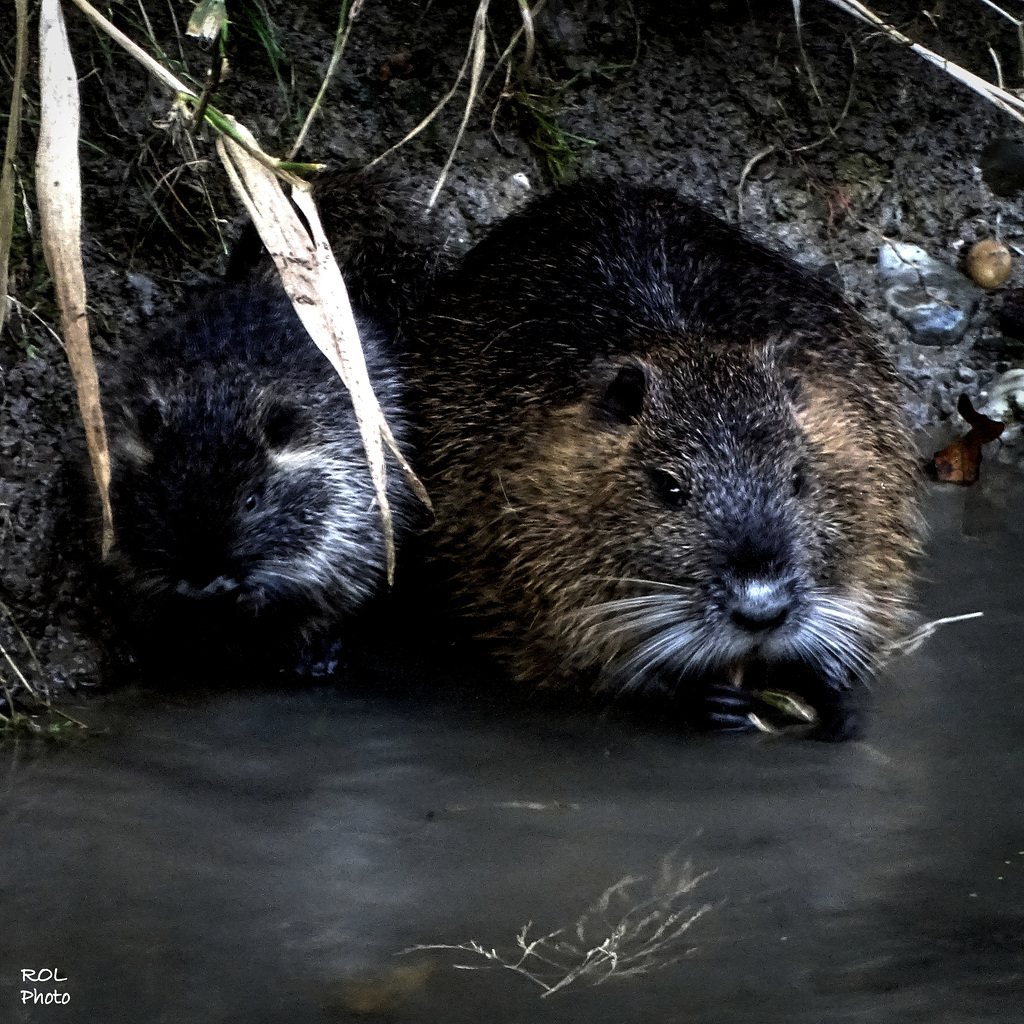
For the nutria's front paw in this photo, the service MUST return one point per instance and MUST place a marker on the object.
(320, 658)
(819, 706)
(725, 708)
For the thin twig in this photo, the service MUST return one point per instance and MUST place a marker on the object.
(531, 39)
(478, 48)
(17, 671)
(24, 639)
(345, 19)
(23, 309)
(507, 52)
(833, 129)
(474, 57)
(803, 52)
(1006, 101)
(999, 67)
(908, 645)
(747, 168)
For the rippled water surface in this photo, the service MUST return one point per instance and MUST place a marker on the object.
(266, 856)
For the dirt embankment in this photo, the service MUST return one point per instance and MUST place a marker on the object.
(830, 148)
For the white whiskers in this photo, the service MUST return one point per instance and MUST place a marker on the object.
(669, 634)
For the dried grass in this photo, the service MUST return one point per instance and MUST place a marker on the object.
(913, 641)
(636, 926)
(1007, 101)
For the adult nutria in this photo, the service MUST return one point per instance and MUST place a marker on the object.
(663, 456)
(245, 516)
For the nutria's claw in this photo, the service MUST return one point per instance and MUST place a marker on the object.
(320, 658)
(726, 709)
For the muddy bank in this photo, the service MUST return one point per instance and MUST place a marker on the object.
(856, 141)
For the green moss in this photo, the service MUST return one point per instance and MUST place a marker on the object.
(557, 148)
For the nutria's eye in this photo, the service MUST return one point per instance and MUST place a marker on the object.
(669, 489)
(253, 501)
(284, 423)
(798, 481)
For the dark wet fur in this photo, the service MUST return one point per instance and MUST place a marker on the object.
(664, 457)
(246, 525)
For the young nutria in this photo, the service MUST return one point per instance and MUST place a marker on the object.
(245, 516)
(663, 456)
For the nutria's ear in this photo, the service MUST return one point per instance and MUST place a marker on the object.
(622, 398)
(283, 422)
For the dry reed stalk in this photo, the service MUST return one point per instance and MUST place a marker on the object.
(313, 282)
(1005, 100)
(59, 193)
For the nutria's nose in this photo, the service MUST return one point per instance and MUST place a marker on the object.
(757, 605)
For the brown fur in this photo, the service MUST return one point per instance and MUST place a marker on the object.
(609, 336)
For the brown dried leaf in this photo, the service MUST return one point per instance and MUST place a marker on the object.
(960, 462)
(398, 65)
(59, 193)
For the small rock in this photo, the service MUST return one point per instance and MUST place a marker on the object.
(146, 291)
(1006, 398)
(932, 299)
(966, 374)
(989, 263)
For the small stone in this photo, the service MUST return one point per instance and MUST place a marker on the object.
(146, 291)
(966, 374)
(989, 263)
(1006, 398)
(932, 299)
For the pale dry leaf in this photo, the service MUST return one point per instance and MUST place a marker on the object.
(59, 193)
(313, 282)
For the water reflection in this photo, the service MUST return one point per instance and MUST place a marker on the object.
(263, 857)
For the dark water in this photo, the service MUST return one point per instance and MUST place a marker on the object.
(263, 857)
